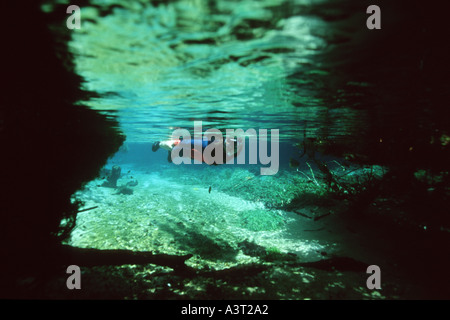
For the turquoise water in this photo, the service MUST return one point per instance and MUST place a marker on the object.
(296, 66)
(228, 65)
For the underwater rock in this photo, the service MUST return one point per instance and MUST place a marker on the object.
(132, 183)
(69, 141)
(124, 190)
(251, 249)
(114, 175)
(268, 255)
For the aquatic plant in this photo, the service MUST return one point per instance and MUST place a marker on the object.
(261, 220)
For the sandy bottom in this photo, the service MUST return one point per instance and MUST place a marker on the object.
(241, 248)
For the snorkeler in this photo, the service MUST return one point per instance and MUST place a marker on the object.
(231, 148)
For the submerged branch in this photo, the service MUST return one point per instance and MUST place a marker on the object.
(96, 257)
(87, 209)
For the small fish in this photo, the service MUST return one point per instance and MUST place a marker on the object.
(293, 163)
(209, 190)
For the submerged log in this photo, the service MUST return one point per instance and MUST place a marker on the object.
(95, 257)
